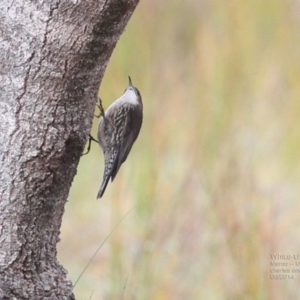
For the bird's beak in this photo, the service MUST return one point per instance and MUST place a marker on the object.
(130, 83)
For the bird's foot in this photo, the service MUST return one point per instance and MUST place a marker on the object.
(100, 106)
(89, 145)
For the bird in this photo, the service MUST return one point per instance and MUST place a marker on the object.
(118, 128)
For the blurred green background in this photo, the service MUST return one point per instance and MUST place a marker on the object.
(214, 177)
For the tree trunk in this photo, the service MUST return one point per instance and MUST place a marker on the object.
(52, 56)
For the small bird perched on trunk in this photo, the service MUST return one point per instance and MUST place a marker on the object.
(118, 129)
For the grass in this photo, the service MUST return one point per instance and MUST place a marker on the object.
(214, 175)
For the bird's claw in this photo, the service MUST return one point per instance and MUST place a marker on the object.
(89, 145)
(100, 106)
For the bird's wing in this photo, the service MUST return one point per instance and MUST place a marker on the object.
(132, 126)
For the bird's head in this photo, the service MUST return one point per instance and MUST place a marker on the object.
(132, 92)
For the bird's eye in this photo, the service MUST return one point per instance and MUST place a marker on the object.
(137, 92)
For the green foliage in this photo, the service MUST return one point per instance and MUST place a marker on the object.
(214, 174)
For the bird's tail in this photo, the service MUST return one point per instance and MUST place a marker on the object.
(111, 161)
(103, 186)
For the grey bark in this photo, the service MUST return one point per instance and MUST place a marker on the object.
(52, 58)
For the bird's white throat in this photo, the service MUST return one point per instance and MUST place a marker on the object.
(128, 97)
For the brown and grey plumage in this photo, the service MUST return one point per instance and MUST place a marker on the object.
(118, 129)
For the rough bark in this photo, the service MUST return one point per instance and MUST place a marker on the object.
(52, 56)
